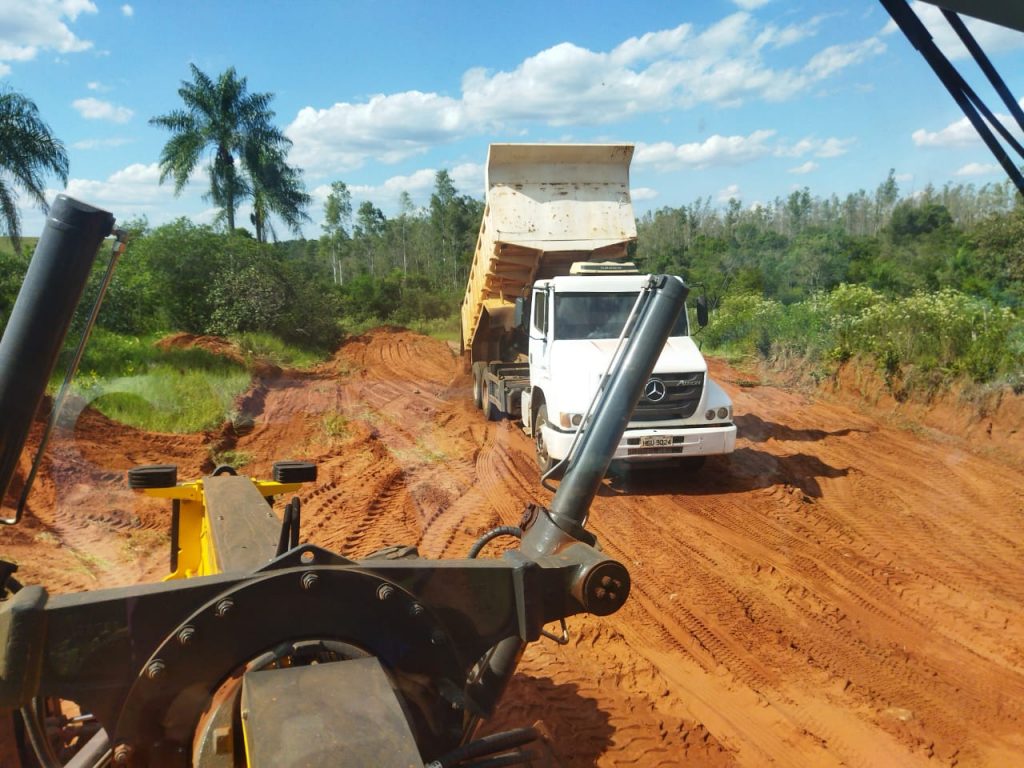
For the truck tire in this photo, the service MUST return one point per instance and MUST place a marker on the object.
(494, 413)
(478, 384)
(544, 460)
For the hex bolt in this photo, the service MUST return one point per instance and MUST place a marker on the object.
(122, 754)
(612, 596)
(416, 609)
(224, 607)
(155, 669)
(384, 591)
(309, 580)
(609, 583)
(187, 635)
(600, 592)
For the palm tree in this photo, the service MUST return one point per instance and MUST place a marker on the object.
(234, 125)
(277, 188)
(28, 152)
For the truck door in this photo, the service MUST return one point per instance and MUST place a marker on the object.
(540, 345)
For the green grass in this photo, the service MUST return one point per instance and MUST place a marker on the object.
(231, 457)
(443, 328)
(168, 399)
(264, 346)
(131, 380)
(335, 426)
(28, 245)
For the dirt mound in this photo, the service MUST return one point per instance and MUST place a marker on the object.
(989, 420)
(839, 591)
(218, 345)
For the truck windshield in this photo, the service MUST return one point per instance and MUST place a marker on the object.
(598, 315)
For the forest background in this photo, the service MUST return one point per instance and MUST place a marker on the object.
(928, 288)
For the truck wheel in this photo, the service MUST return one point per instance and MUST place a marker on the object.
(544, 460)
(494, 413)
(478, 384)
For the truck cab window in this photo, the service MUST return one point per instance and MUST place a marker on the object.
(598, 315)
(540, 311)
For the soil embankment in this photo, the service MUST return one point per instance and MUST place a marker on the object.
(840, 591)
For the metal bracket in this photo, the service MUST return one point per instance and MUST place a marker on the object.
(562, 639)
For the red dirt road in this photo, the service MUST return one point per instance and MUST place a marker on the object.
(838, 592)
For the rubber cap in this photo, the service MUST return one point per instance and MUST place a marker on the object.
(153, 476)
(294, 471)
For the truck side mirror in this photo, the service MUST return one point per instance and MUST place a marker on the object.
(702, 311)
(521, 314)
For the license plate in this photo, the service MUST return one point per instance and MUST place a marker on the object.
(655, 441)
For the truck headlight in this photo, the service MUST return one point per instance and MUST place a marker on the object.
(710, 415)
(567, 420)
(723, 413)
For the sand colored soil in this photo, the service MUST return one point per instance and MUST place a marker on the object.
(841, 591)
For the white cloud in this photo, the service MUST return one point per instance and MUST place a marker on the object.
(642, 193)
(96, 85)
(978, 169)
(956, 134)
(726, 194)
(137, 182)
(723, 65)
(961, 133)
(386, 128)
(714, 151)
(830, 147)
(834, 147)
(27, 28)
(418, 184)
(780, 37)
(136, 191)
(127, 10)
(827, 62)
(751, 5)
(807, 167)
(468, 178)
(903, 178)
(95, 109)
(991, 37)
(101, 143)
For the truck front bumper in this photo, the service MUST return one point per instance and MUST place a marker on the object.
(655, 444)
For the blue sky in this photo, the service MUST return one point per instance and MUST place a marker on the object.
(743, 98)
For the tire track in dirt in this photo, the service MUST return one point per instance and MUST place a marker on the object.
(838, 592)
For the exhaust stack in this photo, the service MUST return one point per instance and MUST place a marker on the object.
(41, 317)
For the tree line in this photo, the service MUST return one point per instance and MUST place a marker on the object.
(226, 278)
(959, 236)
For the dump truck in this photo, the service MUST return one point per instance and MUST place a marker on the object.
(549, 294)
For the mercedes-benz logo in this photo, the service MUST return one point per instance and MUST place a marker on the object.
(655, 390)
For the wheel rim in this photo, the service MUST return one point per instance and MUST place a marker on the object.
(543, 459)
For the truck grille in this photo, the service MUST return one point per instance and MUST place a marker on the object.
(682, 396)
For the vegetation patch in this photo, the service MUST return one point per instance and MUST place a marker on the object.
(921, 343)
(230, 457)
(259, 346)
(131, 380)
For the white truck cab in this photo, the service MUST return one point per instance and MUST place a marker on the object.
(574, 328)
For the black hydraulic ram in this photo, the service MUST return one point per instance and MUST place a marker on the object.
(41, 317)
(601, 585)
